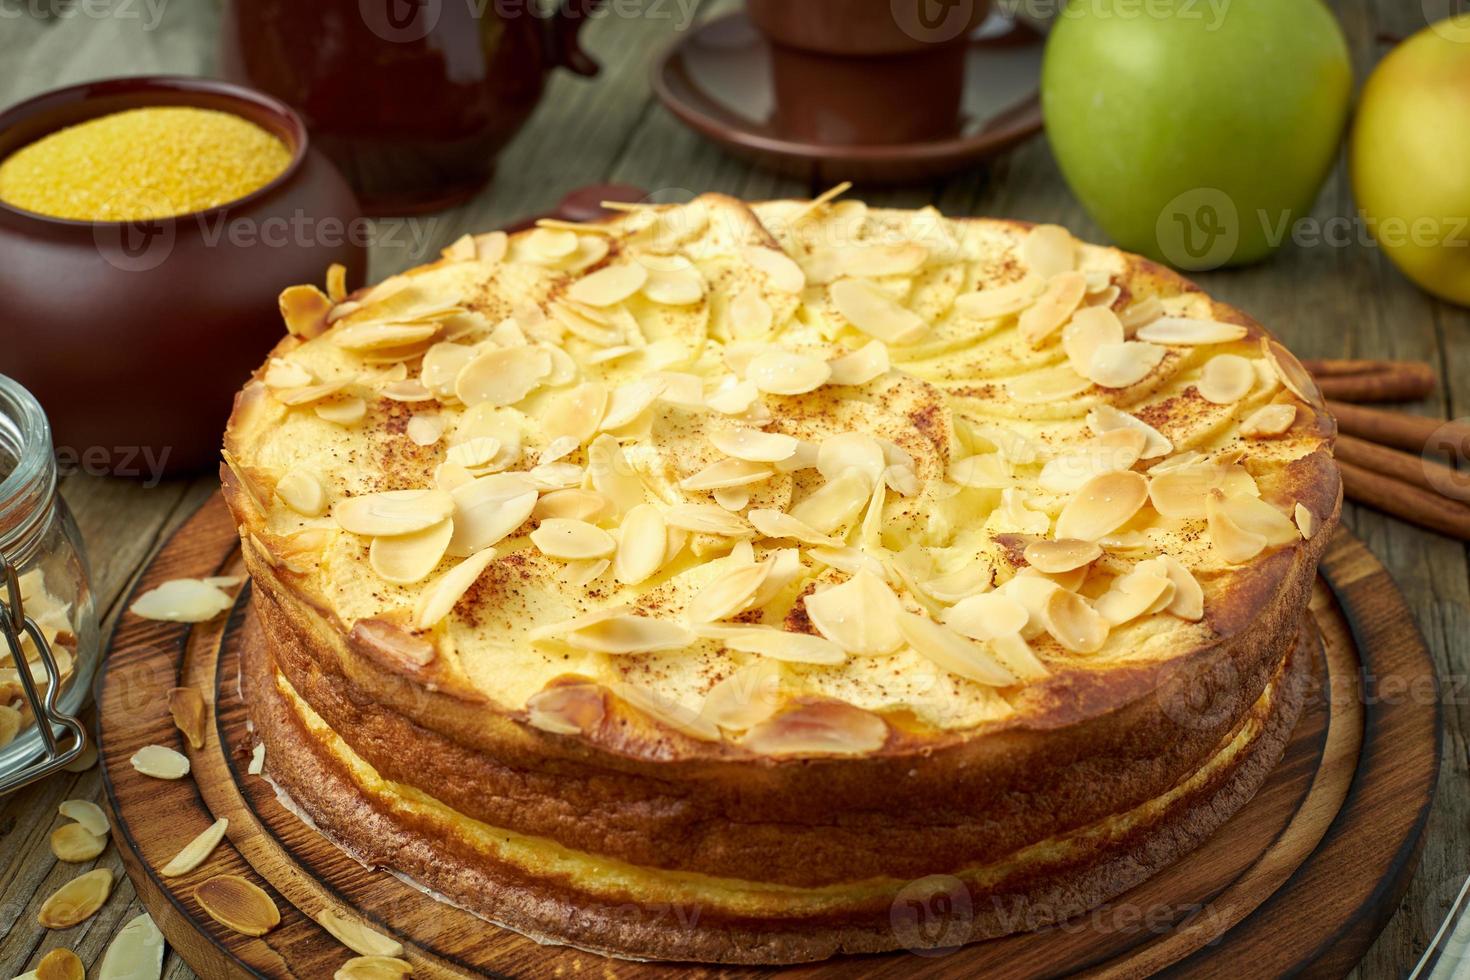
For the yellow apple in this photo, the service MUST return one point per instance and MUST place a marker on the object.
(1410, 157)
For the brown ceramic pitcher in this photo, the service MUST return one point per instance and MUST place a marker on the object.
(412, 99)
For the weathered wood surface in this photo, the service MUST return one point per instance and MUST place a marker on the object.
(1325, 300)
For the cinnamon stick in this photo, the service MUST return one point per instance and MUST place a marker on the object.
(1373, 381)
(1406, 501)
(1411, 432)
(1407, 467)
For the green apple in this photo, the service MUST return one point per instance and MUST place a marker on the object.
(1196, 131)
(1410, 157)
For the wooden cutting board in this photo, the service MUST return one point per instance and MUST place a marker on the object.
(1300, 880)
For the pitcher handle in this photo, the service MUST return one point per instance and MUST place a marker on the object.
(565, 48)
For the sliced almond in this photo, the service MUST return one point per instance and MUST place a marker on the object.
(1268, 420)
(707, 519)
(674, 287)
(160, 762)
(577, 413)
(778, 644)
(834, 504)
(1187, 331)
(502, 376)
(749, 315)
(1049, 250)
(1259, 517)
(1053, 308)
(952, 652)
(611, 474)
(373, 968)
(1106, 418)
(1189, 599)
(304, 310)
(986, 471)
(1102, 505)
(135, 953)
(197, 851)
(302, 492)
(1043, 387)
(641, 550)
(392, 512)
(781, 372)
(860, 615)
(356, 936)
(572, 540)
(618, 633)
(963, 582)
(408, 558)
(77, 900)
(774, 524)
(1146, 310)
(238, 904)
(488, 509)
(781, 272)
(1090, 328)
(1234, 543)
(852, 451)
(1140, 592)
(283, 376)
(1061, 555)
(728, 593)
(1073, 623)
(566, 709)
(440, 596)
(377, 335)
(987, 616)
(727, 473)
(60, 964)
(88, 814)
(1305, 521)
(182, 600)
(862, 365)
(1226, 379)
(473, 453)
(753, 444)
(669, 712)
(257, 760)
(1297, 379)
(76, 844)
(872, 311)
(1180, 492)
(11, 722)
(1125, 364)
(746, 697)
(609, 285)
(882, 259)
(190, 715)
(999, 301)
(1115, 450)
(629, 401)
(824, 728)
(343, 411)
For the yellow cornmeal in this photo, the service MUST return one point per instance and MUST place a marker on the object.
(143, 163)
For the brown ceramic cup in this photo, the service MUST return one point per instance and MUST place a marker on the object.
(866, 28)
(134, 336)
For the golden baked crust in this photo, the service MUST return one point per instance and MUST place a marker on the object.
(967, 739)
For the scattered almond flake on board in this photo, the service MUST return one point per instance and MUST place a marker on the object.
(1268, 420)
(823, 728)
(1102, 505)
(668, 712)
(875, 313)
(707, 519)
(1234, 543)
(1305, 520)
(392, 512)
(502, 376)
(238, 904)
(1061, 555)
(746, 697)
(1073, 623)
(356, 936)
(439, 598)
(1187, 331)
(1049, 250)
(999, 301)
(952, 652)
(302, 492)
(1089, 329)
(304, 308)
(860, 615)
(860, 366)
(1226, 379)
(404, 559)
(190, 713)
(197, 851)
(345, 411)
(135, 953)
(257, 760)
(373, 968)
(1053, 308)
(60, 964)
(609, 285)
(782, 372)
(1125, 364)
(77, 900)
(160, 762)
(86, 813)
(75, 844)
(572, 540)
(727, 473)
(182, 600)
(781, 272)
(753, 444)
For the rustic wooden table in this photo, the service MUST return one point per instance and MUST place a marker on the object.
(1324, 300)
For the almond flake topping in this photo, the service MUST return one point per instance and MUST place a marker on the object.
(1090, 328)
(1105, 418)
(903, 259)
(566, 709)
(408, 558)
(1117, 449)
(392, 512)
(1189, 599)
(1145, 589)
(862, 365)
(753, 444)
(852, 452)
(1061, 555)
(774, 524)
(1186, 331)
(1146, 310)
(1305, 521)
(1297, 379)
(668, 712)
(1049, 250)
(750, 316)
(502, 376)
(488, 509)
(577, 413)
(609, 286)
(707, 519)
(782, 273)
(617, 632)
(346, 411)
(302, 492)
(436, 601)
(1073, 622)
(728, 593)
(825, 728)
(780, 372)
(748, 696)
(629, 401)
(1125, 364)
(1102, 505)
(643, 546)
(305, 309)
(572, 540)
(999, 301)
(953, 652)
(873, 312)
(1180, 492)
(424, 430)
(1235, 544)
(860, 615)
(363, 337)
(1226, 379)
(727, 473)
(1269, 420)
(1053, 308)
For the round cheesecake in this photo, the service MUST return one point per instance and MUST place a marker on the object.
(753, 583)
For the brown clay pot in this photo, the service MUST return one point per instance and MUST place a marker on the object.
(134, 336)
(412, 99)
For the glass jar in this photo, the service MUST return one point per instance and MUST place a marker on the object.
(43, 571)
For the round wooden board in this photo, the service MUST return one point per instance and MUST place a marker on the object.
(1300, 880)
